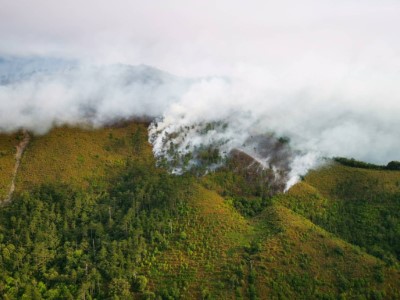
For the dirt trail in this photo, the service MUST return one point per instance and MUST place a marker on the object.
(18, 155)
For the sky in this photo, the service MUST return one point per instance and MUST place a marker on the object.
(323, 73)
(202, 37)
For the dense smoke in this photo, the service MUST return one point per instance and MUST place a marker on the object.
(194, 114)
(39, 93)
(320, 75)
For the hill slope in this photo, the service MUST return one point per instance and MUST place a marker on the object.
(358, 205)
(93, 218)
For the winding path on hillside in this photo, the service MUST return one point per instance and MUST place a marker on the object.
(18, 155)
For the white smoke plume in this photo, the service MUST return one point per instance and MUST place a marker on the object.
(322, 74)
(37, 94)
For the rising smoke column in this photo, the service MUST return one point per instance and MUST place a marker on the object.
(215, 121)
(202, 121)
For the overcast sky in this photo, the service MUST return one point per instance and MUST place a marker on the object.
(202, 37)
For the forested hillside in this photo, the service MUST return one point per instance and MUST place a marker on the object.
(92, 217)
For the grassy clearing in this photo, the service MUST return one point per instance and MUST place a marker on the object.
(76, 156)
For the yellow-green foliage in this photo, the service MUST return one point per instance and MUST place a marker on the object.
(77, 155)
(301, 260)
(209, 249)
(306, 198)
(212, 238)
(359, 205)
(328, 180)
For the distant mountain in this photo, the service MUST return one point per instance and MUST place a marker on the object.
(16, 69)
(19, 69)
(81, 93)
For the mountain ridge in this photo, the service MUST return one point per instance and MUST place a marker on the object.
(96, 200)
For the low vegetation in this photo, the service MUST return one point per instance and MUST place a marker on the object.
(393, 165)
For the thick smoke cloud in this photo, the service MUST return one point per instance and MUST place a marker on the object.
(37, 94)
(322, 73)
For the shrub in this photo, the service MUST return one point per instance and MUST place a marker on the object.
(205, 294)
(147, 295)
(393, 165)
(140, 283)
(351, 162)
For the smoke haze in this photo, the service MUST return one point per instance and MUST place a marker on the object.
(324, 74)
